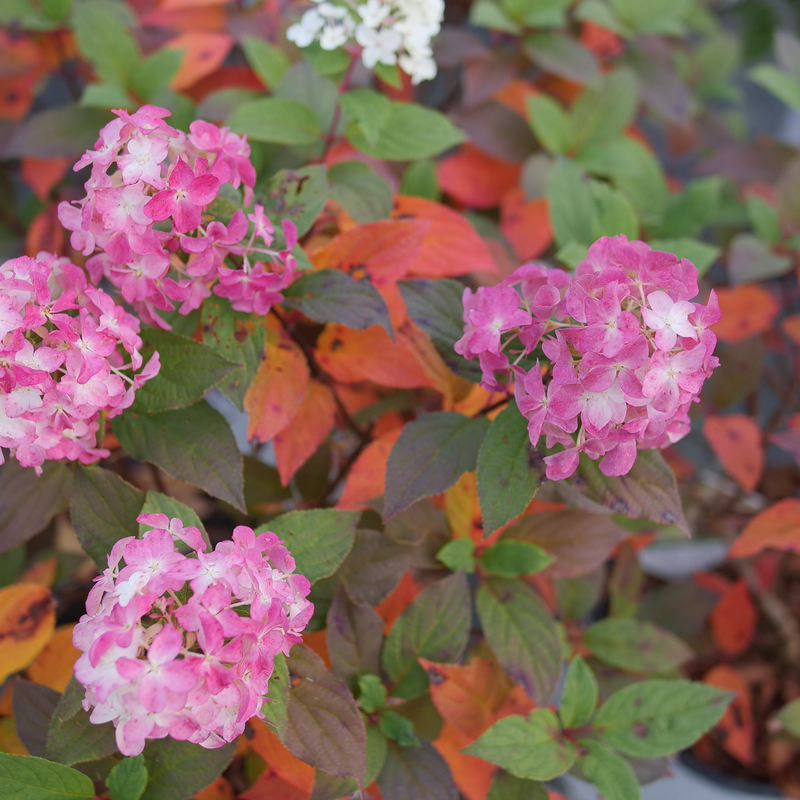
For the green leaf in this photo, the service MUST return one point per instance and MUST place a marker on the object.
(648, 491)
(325, 728)
(510, 469)
(177, 770)
(785, 87)
(188, 370)
(563, 56)
(267, 61)
(367, 109)
(56, 132)
(701, 254)
(653, 16)
(410, 133)
(104, 42)
(789, 717)
(276, 709)
(33, 706)
(487, 14)
(105, 95)
(389, 74)
(29, 501)
(155, 73)
(614, 213)
(328, 295)
(509, 787)
(398, 729)
(276, 120)
(354, 635)
(579, 695)
(419, 180)
(688, 212)
(318, 539)
(237, 337)
(458, 555)
(435, 306)
(71, 737)
(636, 646)
(194, 444)
(603, 110)
(32, 778)
(522, 634)
(571, 208)
(372, 694)
(127, 781)
(374, 567)
(529, 748)
(158, 503)
(326, 787)
(367, 197)
(416, 773)
(298, 195)
(430, 456)
(611, 774)
(511, 559)
(435, 626)
(598, 12)
(550, 123)
(302, 84)
(658, 718)
(103, 510)
(764, 219)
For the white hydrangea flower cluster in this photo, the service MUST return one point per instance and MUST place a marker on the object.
(389, 32)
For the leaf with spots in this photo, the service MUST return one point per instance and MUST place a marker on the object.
(298, 195)
(279, 387)
(27, 621)
(658, 718)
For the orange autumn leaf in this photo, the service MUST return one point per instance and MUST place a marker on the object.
(200, 18)
(45, 232)
(462, 509)
(518, 702)
(270, 786)
(288, 768)
(475, 178)
(514, 95)
(367, 476)
(451, 247)
(9, 739)
(42, 174)
(746, 311)
(468, 697)
(203, 53)
(27, 621)
(42, 572)
(736, 730)
(278, 390)
(53, 666)
(736, 442)
(310, 427)
(778, 527)
(398, 600)
(220, 789)
(350, 356)
(791, 327)
(733, 620)
(384, 250)
(318, 642)
(472, 775)
(526, 224)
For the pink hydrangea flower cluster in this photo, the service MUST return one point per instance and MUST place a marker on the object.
(183, 644)
(625, 351)
(142, 220)
(68, 354)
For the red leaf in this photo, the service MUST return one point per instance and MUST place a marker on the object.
(777, 527)
(288, 768)
(471, 774)
(526, 224)
(451, 246)
(733, 620)
(746, 311)
(736, 441)
(309, 428)
(42, 174)
(367, 476)
(278, 390)
(398, 601)
(385, 250)
(736, 730)
(475, 178)
(203, 53)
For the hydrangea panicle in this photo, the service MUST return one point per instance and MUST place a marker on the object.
(628, 351)
(183, 644)
(68, 354)
(144, 220)
(385, 32)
